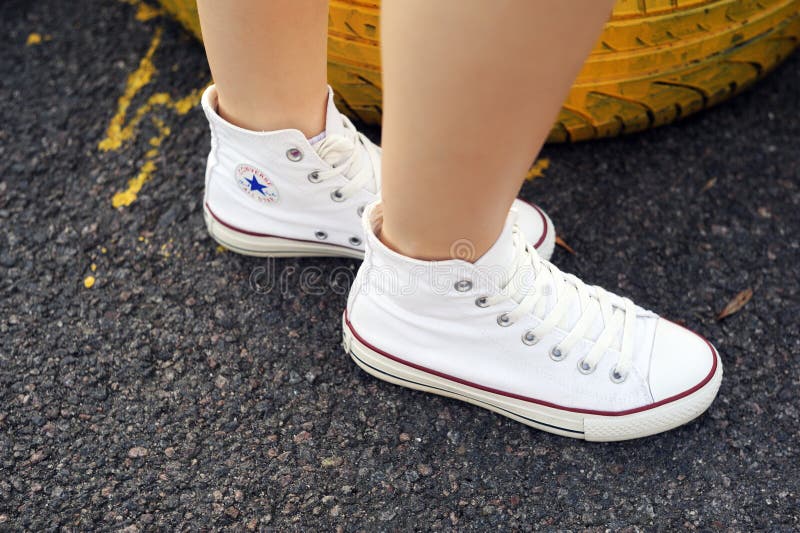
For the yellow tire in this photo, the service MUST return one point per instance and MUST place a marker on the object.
(656, 61)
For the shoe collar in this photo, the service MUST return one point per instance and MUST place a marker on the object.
(334, 120)
(483, 274)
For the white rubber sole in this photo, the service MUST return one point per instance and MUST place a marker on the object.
(268, 246)
(569, 423)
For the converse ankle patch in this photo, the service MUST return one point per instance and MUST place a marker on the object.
(255, 183)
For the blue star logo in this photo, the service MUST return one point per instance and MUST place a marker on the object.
(256, 186)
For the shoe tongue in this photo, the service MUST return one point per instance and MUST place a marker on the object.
(496, 262)
(333, 119)
(334, 129)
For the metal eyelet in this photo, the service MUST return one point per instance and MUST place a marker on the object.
(355, 241)
(321, 235)
(314, 177)
(294, 154)
(463, 285)
(529, 338)
(360, 211)
(337, 196)
(483, 301)
(503, 320)
(617, 376)
(556, 354)
(584, 367)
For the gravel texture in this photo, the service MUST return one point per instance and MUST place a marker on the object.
(185, 390)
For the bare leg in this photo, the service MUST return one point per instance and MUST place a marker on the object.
(471, 89)
(269, 62)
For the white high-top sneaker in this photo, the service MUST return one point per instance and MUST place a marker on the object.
(515, 335)
(275, 194)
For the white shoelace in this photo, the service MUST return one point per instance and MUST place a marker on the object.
(346, 154)
(594, 302)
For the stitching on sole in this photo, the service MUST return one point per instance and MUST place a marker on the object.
(469, 399)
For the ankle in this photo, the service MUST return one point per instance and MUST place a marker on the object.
(425, 246)
(308, 117)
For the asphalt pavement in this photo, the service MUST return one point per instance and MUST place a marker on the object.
(150, 380)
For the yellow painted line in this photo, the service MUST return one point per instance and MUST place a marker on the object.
(144, 11)
(116, 134)
(122, 128)
(34, 39)
(180, 106)
(118, 131)
(538, 168)
(127, 197)
(88, 282)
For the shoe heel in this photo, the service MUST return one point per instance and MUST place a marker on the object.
(258, 245)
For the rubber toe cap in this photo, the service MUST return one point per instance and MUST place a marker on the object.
(681, 362)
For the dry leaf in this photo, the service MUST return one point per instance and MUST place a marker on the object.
(710, 183)
(564, 245)
(736, 304)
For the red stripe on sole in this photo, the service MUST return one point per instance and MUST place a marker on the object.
(534, 400)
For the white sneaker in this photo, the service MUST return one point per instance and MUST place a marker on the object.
(275, 194)
(515, 335)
